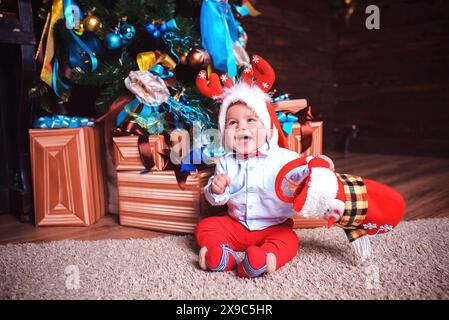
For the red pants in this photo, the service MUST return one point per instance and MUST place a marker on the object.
(280, 239)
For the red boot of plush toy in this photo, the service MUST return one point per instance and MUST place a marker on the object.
(361, 207)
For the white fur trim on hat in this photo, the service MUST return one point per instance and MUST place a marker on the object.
(255, 99)
(321, 191)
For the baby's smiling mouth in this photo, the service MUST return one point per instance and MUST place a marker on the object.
(243, 138)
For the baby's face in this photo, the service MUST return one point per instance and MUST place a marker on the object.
(244, 132)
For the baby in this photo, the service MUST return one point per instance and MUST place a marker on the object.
(257, 221)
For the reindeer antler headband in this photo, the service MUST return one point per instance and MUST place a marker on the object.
(260, 69)
(257, 80)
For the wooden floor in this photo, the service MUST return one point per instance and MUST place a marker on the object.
(424, 183)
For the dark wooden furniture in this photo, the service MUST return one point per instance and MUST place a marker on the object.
(16, 35)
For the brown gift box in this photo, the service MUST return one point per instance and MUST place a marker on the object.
(295, 139)
(292, 106)
(68, 180)
(127, 156)
(154, 200)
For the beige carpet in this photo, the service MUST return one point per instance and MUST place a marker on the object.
(411, 263)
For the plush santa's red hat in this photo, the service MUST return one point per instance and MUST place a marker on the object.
(256, 81)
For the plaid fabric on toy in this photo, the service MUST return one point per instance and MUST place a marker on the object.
(356, 206)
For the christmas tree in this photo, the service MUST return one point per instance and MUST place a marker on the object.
(153, 48)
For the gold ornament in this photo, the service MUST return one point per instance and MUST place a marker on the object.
(92, 23)
(183, 58)
(198, 58)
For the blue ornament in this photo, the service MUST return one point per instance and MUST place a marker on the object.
(127, 32)
(171, 25)
(156, 34)
(163, 28)
(112, 41)
(150, 27)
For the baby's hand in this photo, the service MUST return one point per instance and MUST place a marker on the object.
(220, 183)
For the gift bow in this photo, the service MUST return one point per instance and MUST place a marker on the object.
(146, 60)
(287, 120)
(200, 156)
(136, 109)
(282, 97)
(61, 121)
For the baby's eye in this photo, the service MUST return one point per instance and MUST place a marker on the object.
(232, 122)
(252, 120)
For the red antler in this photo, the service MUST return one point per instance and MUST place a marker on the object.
(247, 75)
(263, 72)
(213, 89)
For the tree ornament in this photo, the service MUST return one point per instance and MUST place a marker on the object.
(92, 23)
(198, 58)
(127, 33)
(112, 41)
(157, 34)
(183, 57)
(158, 28)
(150, 27)
(163, 28)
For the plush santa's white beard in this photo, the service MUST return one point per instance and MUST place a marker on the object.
(321, 190)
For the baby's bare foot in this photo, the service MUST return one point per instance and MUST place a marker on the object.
(271, 262)
(202, 258)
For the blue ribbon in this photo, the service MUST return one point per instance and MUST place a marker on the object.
(159, 71)
(76, 47)
(61, 121)
(210, 152)
(87, 44)
(173, 40)
(200, 156)
(179, 110)
(56, 79)
(146, 111)
(187, 112)
(242, 10)
(219, 32)
(282, 97)
(287, 120)
(76, 60)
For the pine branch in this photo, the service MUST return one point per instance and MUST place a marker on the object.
(109, 76)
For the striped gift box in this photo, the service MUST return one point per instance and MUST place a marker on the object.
(154, 200)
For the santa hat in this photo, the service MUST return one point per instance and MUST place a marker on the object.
(317, 193)
(248, 90)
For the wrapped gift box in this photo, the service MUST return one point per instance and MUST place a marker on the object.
(292, 106)
(155, 201)
(295, 140)
(68, 179)
(127, 156)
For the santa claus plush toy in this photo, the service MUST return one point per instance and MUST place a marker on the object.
(361, 207)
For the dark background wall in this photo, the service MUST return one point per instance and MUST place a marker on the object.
(296, 38)
(392, 83)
